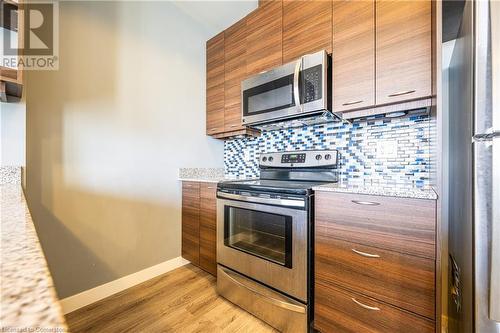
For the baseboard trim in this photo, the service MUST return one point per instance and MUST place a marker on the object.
(75, 302)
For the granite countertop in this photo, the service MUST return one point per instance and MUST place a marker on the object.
(208, 175)
(389, 190)
(28, 298)
(203, 175)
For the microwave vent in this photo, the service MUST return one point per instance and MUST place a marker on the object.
(316, 119)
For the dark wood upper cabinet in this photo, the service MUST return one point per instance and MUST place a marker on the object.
(353, 54)
(307, 28)
(264, 38)
(215, 85)
(11, 79)
(235, 72)
(403, 51)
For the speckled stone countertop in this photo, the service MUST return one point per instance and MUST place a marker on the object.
(28, 299)
(209, 175)
(10, 175)
(390, 190)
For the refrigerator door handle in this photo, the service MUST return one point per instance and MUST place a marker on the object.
(495, 200)
(495, 234)
(489, 135)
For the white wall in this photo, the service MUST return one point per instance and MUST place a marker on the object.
(107, 134)
(12, 134)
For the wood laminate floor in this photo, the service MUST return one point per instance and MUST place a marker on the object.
(183, 300)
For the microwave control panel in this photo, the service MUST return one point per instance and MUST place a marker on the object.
(312, 79)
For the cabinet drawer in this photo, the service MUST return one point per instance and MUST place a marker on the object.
(208, 190)
(397, 224)
(398, 279)
(190, 189)
(338, 310)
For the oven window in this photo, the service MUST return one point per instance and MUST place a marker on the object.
(265, 235)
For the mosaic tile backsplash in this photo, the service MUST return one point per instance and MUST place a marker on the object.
(375, 150)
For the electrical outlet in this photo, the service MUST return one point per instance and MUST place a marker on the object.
(387, 149)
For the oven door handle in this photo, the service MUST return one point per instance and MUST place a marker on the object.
(277, 302)
(270, 201)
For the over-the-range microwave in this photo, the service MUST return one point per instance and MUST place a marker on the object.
(295, 90)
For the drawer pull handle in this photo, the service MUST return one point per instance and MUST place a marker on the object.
(373, 308)
(213, 129)
(400, 93)
(233, 126)
(364, 254)
(365, 203)
(210, 187)
(353, 102)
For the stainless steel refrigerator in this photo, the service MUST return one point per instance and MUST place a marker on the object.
(474, 172)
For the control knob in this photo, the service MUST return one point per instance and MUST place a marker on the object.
(264, 159)
(328, 157)
(318, 157)
(271, 158)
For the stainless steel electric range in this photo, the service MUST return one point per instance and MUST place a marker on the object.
(264, 237)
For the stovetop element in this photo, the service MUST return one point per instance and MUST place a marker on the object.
(271, 186)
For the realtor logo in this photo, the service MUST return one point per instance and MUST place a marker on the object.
(31, 42)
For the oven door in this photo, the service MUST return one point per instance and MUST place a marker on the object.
(264, 242)
(294, 89)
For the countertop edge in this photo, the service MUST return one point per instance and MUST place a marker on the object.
(29, 298)
(200, 180)
(427, 194)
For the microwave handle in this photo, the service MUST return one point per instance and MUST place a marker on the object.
(296, 89)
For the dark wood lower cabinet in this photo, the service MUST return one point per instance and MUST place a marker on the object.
(199, 225)
(404, 281)
(208, 220)
(375, 264)
(191, 222)
(338, 310)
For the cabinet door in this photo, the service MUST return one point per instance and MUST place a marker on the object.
(264, 37)
(307, 28)
(191, 222)
(215, 85)
(235, 72)
(403, 50)
(208, 227)
(353, 54)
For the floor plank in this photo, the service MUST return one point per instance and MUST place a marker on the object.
(183, 300)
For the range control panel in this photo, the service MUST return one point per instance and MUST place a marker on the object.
(300, 159)
(293, 158)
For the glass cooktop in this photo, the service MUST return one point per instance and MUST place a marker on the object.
(274, 186)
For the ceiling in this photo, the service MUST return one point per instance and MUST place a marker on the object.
(216, 15)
